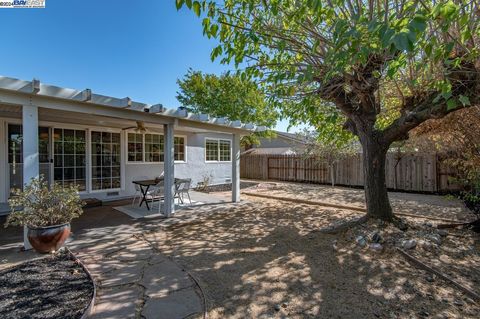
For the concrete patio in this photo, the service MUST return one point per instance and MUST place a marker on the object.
(133, 278)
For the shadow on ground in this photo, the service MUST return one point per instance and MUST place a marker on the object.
(263, 261)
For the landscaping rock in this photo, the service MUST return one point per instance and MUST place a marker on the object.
(376, 238)
(409, 244)
(401, 225)
(443, 232)
(425, 244)
(458, 303)
(435, 239)
(430, 279)
(423, 313)
(376, 247)
(361, 241)
(277, 307)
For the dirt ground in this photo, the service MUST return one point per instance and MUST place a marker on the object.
(267, 259)
(408, 203)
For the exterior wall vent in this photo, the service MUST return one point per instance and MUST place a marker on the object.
(112, 194)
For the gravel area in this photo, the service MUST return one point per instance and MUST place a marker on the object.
(47, 288)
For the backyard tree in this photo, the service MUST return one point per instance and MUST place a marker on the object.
(387, 65)
(228, 96)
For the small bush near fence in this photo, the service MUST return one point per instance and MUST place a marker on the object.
(407, 172)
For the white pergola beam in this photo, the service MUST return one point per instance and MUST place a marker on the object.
(59, 95)
(220, 121)
(84, 96)
(35, 86)
(236, 124)
(126, 102)
(156, 108)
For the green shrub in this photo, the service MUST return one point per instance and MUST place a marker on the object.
(39, 205)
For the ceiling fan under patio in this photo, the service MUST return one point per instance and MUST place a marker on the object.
(139, 128)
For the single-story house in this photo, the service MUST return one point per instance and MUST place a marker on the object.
(282, 144)
(103, 143)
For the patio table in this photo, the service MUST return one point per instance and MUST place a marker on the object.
(145, 186)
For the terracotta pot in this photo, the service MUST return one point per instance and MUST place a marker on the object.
(48, 239)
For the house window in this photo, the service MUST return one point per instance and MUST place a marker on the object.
(69, 157)
(105, 160)
(179, 148)
(218, 150)
(211, 150)
(225, 151)
(150, 148)
(135, 147)
(154, 151)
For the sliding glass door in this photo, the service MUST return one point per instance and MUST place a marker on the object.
(70, 157)
(105, 160)
(15, 155)
(63, 157)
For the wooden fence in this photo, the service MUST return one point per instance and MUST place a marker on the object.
(409, 172)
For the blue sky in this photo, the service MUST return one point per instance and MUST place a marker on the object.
(119, 48)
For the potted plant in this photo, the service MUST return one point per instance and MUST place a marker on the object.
(46, 212)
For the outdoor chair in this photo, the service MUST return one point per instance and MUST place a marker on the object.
(157, 191)
(182, 187)
(138, 191)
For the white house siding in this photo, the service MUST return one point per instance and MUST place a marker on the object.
(195, 166)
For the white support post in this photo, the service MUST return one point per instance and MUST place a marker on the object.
(30, 151)
(3, 163)
(236, 168)
(169, 171)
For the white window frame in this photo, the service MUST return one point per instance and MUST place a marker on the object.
(218, 147)
(143, 162)
(143, 148)
(184, 148)
(90, 183)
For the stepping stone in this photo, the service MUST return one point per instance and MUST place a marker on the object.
(177, 305)
(161, 279)
(116, 303)
(124, 273)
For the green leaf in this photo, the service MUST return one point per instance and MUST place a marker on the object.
(464, 100)
(196, 8)
(419, 23)
(400, 41)
(179, 4)
(214, 30)
(451, 104)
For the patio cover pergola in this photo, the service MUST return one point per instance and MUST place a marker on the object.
(31, 99)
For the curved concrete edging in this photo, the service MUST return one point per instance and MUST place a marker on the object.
(89, 308)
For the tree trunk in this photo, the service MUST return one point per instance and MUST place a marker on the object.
(376, 195)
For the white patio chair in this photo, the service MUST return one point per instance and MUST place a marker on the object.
(182, 186)
(157, 191)
(138, 192)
